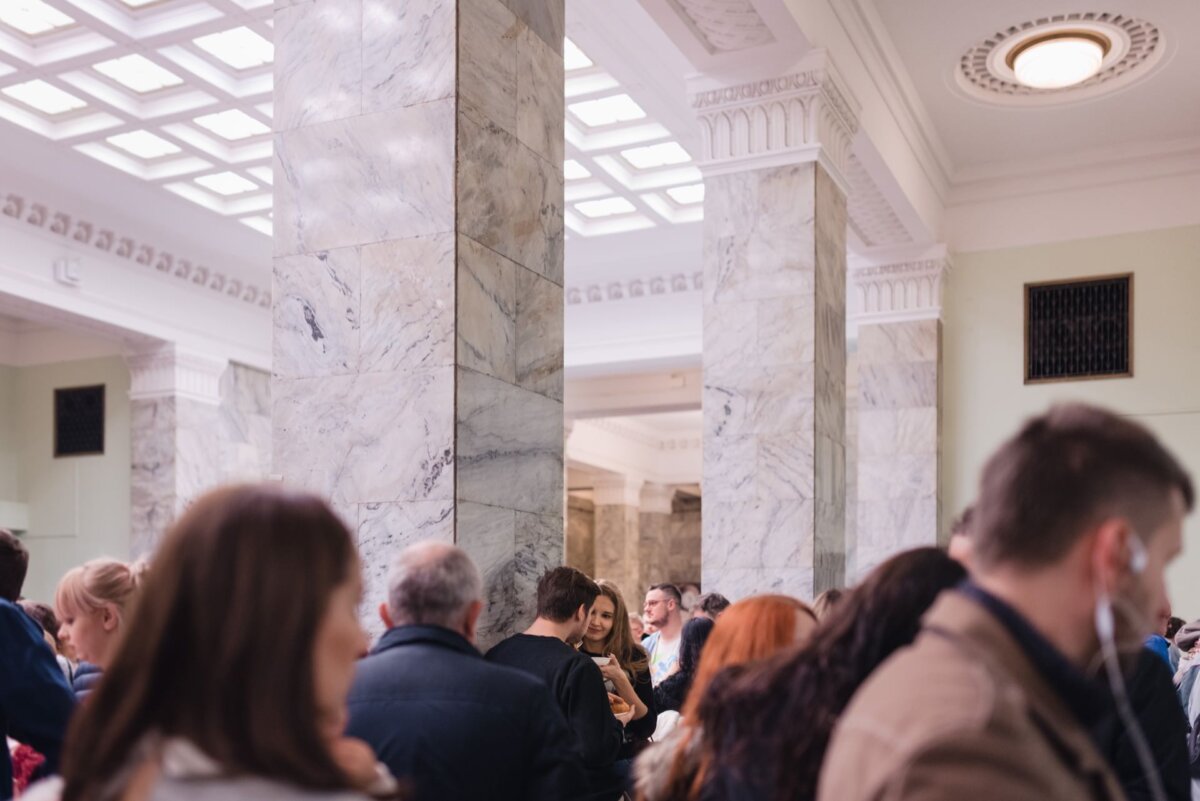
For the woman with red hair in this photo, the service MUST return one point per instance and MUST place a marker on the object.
(749, 631)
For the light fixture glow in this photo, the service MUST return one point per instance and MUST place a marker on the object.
(233, 124)
(226, 183)
(143, 144)
(573, 57)
(607, 110)
(574, 171)
(660, 155)
(44, 97)
(138, 3)
(605, 207)
(138, 73)
(1058, 60)
(264, 174)
(687, 195)
(260, 224)
(32, 16)
(240, 48)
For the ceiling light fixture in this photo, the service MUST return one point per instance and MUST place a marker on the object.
(606, 207)
(660, 155)
(574, 171)
(143, 144)
(44, 97)
(240, 48)
(687, 195)
(226, 183)
(233, 124)
(138, 73)
(573, 57)
(1059, 59)
(32, 17)
(607, 110)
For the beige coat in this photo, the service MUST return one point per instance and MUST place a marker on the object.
(962, 715)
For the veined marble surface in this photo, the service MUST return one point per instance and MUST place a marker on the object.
(617, 544)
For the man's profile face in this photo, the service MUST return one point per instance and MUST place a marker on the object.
(1147, 591)
(658, 607)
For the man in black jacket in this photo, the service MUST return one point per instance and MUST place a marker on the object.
(444, 721)
(547, 650)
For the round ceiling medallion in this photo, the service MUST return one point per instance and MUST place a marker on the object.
(998, 68)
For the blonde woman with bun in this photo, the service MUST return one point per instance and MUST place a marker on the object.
(92, 602)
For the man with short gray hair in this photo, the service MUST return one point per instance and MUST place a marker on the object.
(445, 721)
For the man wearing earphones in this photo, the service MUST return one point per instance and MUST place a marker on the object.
(1077, 517)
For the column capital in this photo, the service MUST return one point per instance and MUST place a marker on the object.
(617, 490)
(657, 498)
(805, 114)
(168, 371)
(899, 291)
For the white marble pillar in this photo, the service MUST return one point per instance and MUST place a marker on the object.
(655, 560)
(175, 422)
(774, 153)
(617, 499)
(418, 278)
(899, 399)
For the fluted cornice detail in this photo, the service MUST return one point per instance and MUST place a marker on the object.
(902, 291)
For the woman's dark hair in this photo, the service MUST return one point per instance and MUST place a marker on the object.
(44, 616)
(691, 643)
(767, 725)
(220, 650)
(1174, 624)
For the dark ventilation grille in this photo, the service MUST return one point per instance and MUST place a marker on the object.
(79, 421)
(1079, 329)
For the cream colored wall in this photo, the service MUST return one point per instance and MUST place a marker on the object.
(984, 395)
(78, 506)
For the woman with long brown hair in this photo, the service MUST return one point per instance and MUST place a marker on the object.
(232, 680)
(747, 633)
(624, 663)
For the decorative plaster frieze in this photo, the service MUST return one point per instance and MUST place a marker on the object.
(635, 288)
(900, 292)
(617, 491)
(724, 26)
(88, 233)
(170, 372)
(807, 115)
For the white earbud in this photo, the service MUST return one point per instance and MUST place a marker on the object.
(1137, 554)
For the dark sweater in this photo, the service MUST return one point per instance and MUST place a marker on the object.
(638, 732)
(578, 687)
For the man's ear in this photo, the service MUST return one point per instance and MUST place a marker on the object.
(471, 620)
(385, 615)
(1111, 556)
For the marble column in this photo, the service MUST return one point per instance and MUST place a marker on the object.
(655, 560)
(176, 426)
(617, 499)
(774, 153)
(418, 279)
(899, 399)
(580, 549)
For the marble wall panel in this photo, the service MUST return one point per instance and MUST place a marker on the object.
(617, 547)
(546, 20)
(538, 547)
(540, 97)
(902, 385)
(488, 534)
(316, 314)
(736, 583)
(655, 558)
(152, 484)
(245, 424)
(685, 547)
(539, 332)
(487, 63)
(852, 457)
(487, 313)
(408, 304)
(318, 77)
(581, 536)
(370, 178)
(408, 53)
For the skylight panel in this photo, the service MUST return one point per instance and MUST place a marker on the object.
(607, 110)
(233, 124)
(660, 155)
(44, 97)
(138, 3)
(32, 17)
(240, 48)
(143, 144)
(260, 224)
(138, 73)
(226, 183)
(264, 174)
(573, 57)
(574, 171)
(687, 195)
(606, 207)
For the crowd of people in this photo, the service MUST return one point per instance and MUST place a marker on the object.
(1036, 657)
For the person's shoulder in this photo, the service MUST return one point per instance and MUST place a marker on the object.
(251, 788)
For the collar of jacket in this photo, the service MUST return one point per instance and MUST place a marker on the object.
(429, 635)
(964, 617)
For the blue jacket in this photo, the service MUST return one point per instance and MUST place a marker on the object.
(86, 677)
(457, 727)
(35, 703)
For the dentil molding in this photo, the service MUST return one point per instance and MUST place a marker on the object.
(107, 240)
(901, 292)
(805, 115)
(635, 288)
(171, 372)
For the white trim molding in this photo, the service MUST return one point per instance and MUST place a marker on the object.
(170, 372)
(902, 291)
(805, 115)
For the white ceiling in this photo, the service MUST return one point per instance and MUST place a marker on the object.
(932, 35)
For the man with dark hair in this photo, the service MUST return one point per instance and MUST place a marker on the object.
(1077, 518)
(664, 611)
(711, 605)
(547, 650)
(35, 702)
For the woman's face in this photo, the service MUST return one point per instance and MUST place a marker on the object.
(91, 635)
(600, 620)
(340, 643)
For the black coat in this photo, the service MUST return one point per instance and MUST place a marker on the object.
(453, 726)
